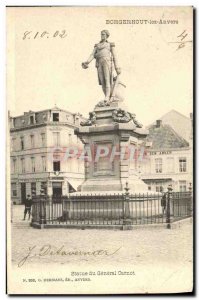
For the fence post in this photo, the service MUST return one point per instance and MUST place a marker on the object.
(191, 199)
(33, 211)
(42, 220)
(126, 216)
(70, 215)
(169, 198)
(50, 208)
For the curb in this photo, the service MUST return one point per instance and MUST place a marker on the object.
(174, 225)
(180, 223)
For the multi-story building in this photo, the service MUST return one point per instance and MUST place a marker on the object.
(39, 141)
(170, 157)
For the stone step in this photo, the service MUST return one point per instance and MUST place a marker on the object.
(21, 224)
(21, 227)
(21, 221)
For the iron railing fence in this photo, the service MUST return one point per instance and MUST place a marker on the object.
(115, 209)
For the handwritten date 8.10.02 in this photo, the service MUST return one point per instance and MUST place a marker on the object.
(27, 35)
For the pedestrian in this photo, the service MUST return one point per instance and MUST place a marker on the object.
(164, 202)
(28, 204)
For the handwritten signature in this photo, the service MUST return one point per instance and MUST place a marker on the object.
(44, 34)
(49, 250)
(182, 40)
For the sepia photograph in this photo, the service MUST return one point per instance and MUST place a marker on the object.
(100, 139)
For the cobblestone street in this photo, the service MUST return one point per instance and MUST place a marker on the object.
(140, 246)
(158, 259)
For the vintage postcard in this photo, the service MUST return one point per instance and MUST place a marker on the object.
(100, 150)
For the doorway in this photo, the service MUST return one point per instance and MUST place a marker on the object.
(57, 189)
(23, 192)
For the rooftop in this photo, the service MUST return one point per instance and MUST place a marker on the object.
(163, 136)
(42, 117)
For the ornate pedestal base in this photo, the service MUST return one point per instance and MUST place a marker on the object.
(111, 137)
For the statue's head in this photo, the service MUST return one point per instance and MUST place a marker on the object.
(104, 35)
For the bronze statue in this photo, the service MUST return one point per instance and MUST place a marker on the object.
(104, 53)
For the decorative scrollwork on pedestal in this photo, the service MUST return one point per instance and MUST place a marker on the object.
(121, 116)
(90, 121)
(138, 124)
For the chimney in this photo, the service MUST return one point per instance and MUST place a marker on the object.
(158, 123)
(11, 122)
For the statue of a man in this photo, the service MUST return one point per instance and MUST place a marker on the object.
(104, 53)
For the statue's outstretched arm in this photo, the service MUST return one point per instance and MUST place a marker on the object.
(117, 68)
(91, 57)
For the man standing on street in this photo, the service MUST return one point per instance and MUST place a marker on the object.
(28, 204)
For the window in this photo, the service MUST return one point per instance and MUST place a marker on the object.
(55, 117)
(43, 158)
(57, 189)
(159, 188)
(33, 164)
(56, 166)
(182, 164)
(14, 189)
(182, 185)
(43, 139)
(158, 165)
(13, 144)
(32, 141)
(56, 138)
(23, 165)
(70, 138)
(31, 119)
(22, 142)
(14, 162)
(33, 188)
(170, 164)
(44, 187)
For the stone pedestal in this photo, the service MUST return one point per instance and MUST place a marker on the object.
(116, 129)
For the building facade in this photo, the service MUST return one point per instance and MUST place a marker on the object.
(38, 143)
(169, 159)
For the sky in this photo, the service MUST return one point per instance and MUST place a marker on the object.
(44, 71)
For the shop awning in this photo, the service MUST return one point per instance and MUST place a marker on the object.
(75, 183)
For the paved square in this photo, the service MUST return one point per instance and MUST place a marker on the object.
(139, 246)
